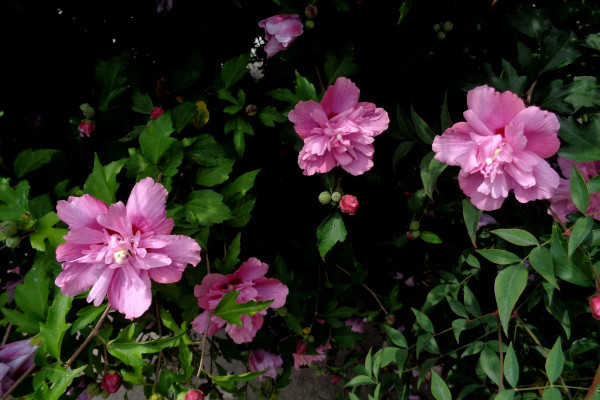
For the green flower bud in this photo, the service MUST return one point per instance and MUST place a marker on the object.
(309, 24)
(436, 27)
(13, 242)
(336, 196)
(8, 228)
(282, 311)
(447, 26)
(88, 111)
(441, 35)
(415, 225)
(415, 234)
(156, 396)
(324, 197)
(251, 110)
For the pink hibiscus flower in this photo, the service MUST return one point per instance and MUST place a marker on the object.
(501, 147)
(261, 360)
(280, 32)
(116, 250)
(561, 202)
(338, 131)
(249, 280)
(301, 358)
(15, 359)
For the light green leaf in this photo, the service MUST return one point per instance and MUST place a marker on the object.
(505, 395)
(331, 231)
(102, 182)
(304, 89)
(44, 229)
(516, 236)
(581, 228)
(498, 256)
(395, 336)
(555, 362)
(156, 138)
(430, 237)
(552, 393)
(29, 160)
(126, 349)
(579, 190)
(240, 186)
(439, 389)
(360, 380)
(206, 207)
(511, 366)
(423, 321)
(16, 201)
(229, 310)
(53, 331)
(508, 286)
(541, 260)
(457, 307)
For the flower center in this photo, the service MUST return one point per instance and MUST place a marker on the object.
(121, 256)
(497, 152)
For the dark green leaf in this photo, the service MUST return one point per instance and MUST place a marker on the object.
(304, 89)
(558, 51)
(446, 121)
(404, 9)
(86, 315)
(112, 83)
(402, 150)
(555, 362)
(471, 303)
(156, 139)
(579, 231)
(360, 380)
(505, 395)
(29, 160)
(533, 22)
(183, 114)
(102, 182)
(44, 230)
(541, 260)
(430, 170)
(508, 286)
(430, 237)
(269, 115)
(234, 69)
(423, 130)
(231, 258)
(205, 151)
(331, 231)
(582, 142)
(579, 191)
(206, 207)
(439, 389)
(16, 201)
(423, 321)
(284, 95)
(335, 69)
(142, 103)
(498, 256)
(516, 236)
(126, 349)
(471, 215)
(552, 393)
(240, 186)
(395, 336)
(457, 307)
(509, 80)
(32, 295)
(490, 363)
(212, 176)
(583, 93)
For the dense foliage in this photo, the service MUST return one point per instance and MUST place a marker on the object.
(310, 150)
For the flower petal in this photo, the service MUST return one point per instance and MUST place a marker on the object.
(81, 212)
(541, 130)
(469, 183)
(129, 291)
(546, 183)
(303, 119)
(116, 220)
(494, 109)
(146, 208)
(76, 278)
(339, 97)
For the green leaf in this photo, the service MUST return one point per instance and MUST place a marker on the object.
(285, 95)
(582, 142)
(510, 80)
(102, 182)
(29, 160)
(231, 258)
(304, 89)
(579, 231)
(471, 215)
(583, 92)
(579, 190)
(53, 331)
(331, 231)
(457, 307)
(508, 286)
(404, 9)
(594, 184)
(155, 139)
(112, 83)
(205, 151)
(558, 51)
(445, 119)
(359, 381)
(430, 237)
(511, 366)
(498, 256)
(269, 115)
(552, 393)
(32, 295)
(16, 201)
(439, 389)
(505, 395)
(229, 310)
(335, 69)
(60, 378)
(458, 326)
(142, 103)
(471, 303)
(541, 260)
(516, 236)
(86, 315)
(206, 207)
(423, 321)
(212, 176)
(240, 186)
(423, 130)
(395, 336)
(25, 322)
(183, 114)
(490, 363)
(473, 348)
(234, 69)
(44, 229)
(533, 22)
(430, 170)
(555, 362)
(131, 353)
(402, 150)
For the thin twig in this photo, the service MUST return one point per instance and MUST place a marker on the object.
(19, 381)
(368, 289)
(90, 336)
(5, 338)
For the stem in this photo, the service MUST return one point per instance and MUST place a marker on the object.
(160, 353)
(366, 287)
(90, 336)
(594, 386)
(18, 382)
(555, 216)
(530, 91)
(319, 77)
(501, 378)
(5, 338)
(207, 323)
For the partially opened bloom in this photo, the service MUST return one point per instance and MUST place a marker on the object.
(338, 131)
(249, 280)
(595, 307)
(15, 359)
(261, 360)
(561, 202)
(280, 32)
(501, 147)
(117, 250)
(301, 358)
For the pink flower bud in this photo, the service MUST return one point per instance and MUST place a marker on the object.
(86, 127)
(194, 395)
(251, 110)
(111, 382)
(335, 379)
(349, 204)
(595, 307)
(156, 112)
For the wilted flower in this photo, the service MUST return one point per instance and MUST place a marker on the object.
(156, 112)
(338, 131)
(15, 359)
(249, 280)
(561, 201)
(301, 358)
(111, 382)
(263, 360)
(86, 127)
(349, 204)
(595, 307)
(280, 32)
(116, 250)
(501, 147)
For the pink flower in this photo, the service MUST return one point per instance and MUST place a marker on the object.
(156, 112)
(249, 280)
(501, 147)
(349, 204)
(280, 32)
(263, 360)
(15, 359)
(301, 358)
(595, 307)
(357, 324)
(86, 127)
(116, 250)
(338, 131)
(561, 202)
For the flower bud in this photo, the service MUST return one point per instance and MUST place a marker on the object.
(156, 396)
(335, 379)
(349, 204)
(436, 27)
(595, 307)
(325, 197)
(88, 111)
(251, 110)
(306, 330)
(12, 242)
(111, 382)
(415, 225)
(310, 11)
(309, 24)
(447, 26)
(415, 234)
(156, 112)
(194, 395)
(336, 196)
(86, 127)
(8, 228)
(441, 35)
(410, 236)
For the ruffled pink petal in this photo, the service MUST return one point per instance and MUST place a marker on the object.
(493, 108)
(81, 212)
(358, 166)
(455, 146)
(76, 278)
(69, 251)
(273, 47)
(546, 182)
(251, 270)
(561, 202)
(373, 120)
(541, 130)
(470, 183)
(146, 207)
(340, 97)
(305, 117)
(246, 332)
(129, 291)
(271, 289)
(85, 236)
(151, 260)
(181, 249)
(209, 282)
(168, 274)
(214, 324)
(100, 288)
(116, 220)
(312, 164)
(261, 360)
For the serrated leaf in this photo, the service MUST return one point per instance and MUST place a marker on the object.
(231, 311)
(205, 151)
(508, 286)
(555, 362)
(240, 186)
(558, 50)
(331, 231)
(102, 182)
(471, 215)
(126, 349)
(511, 366)
(156, 138)
(335, 69)
(53, 331)
(583, 92)
(231, 258)
(44, 230)
(16, 201)
(516, 236)
(60, 378)
(284, 95)
(212, 176)
(184, 113)
(32, 295)
(498, 256)
(29, 160)
(142, 103)
(510, 80)
(541, 260)
(269, 115)
(579, 231)
(582, 141)
(206, 207)
(86, 315)
(439, 389)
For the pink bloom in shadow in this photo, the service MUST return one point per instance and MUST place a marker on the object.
(561, 202)
(15, 359)
(261, 360)
(303, 359)
(501, 147)
(280, 32)
(339, 131)
(249, 280)
(117, 250)
(357, 324)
